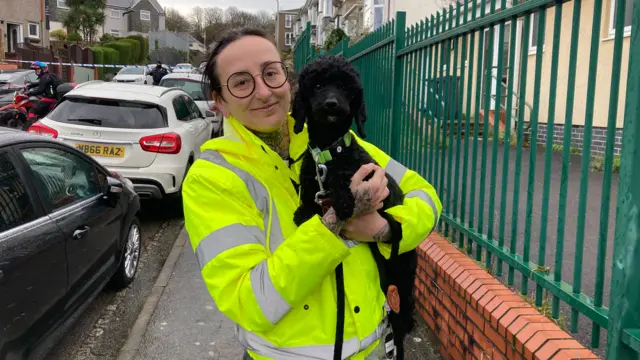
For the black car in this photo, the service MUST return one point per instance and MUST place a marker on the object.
(12, 81)
(68, 227)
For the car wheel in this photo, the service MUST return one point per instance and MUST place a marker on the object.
(130, 258)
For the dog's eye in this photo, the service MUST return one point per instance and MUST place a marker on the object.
(318, 86)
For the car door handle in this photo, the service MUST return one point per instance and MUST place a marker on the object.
(80, 232)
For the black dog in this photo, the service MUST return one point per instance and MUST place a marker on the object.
(330, 96)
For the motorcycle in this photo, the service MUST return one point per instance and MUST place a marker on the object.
(15, 115)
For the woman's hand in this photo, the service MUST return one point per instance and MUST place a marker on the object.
(368, 227)
(369, 194)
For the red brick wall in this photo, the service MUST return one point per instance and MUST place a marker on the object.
(476, 317)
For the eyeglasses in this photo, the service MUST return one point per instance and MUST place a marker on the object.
(242, 84)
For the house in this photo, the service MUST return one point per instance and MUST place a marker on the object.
(195, 44)
(122, 17)
(23, 21)
(605, 37)
(357, 17)
(284, 29)
(603, 79)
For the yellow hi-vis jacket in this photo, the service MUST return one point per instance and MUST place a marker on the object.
(276, 281)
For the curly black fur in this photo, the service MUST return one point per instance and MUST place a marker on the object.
(329, 98)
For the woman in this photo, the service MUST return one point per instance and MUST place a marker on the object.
(273, 279)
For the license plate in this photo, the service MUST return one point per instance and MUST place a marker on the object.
(101, 150)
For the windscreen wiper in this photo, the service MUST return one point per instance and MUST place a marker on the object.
(87, 120)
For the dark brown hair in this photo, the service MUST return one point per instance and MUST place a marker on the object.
(210, 71)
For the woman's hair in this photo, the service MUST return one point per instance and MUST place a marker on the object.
(210, 71)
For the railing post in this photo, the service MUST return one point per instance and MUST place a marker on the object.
(345, 47)
(624, 313)
(396, 91)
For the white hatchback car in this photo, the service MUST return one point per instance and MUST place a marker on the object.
(182, 68)
(148, 134)
(134, 75)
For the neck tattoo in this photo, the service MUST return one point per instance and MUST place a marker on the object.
(278, 140)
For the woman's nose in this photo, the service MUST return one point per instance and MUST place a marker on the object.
(262, 90)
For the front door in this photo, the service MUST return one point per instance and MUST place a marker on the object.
(13, 36)
(71, 189)
(33, 267)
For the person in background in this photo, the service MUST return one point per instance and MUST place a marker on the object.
(158, 73)
(273, 279)
(46, 87)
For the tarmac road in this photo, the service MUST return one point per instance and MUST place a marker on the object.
(101, 330)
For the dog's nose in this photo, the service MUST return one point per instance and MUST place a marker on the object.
(331, 103)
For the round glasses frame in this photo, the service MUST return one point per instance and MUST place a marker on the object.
(266, 67)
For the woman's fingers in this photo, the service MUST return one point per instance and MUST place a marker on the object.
(362, 173)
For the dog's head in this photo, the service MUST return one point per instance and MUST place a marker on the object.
(329, 98)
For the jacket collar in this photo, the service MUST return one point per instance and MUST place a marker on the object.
(239, 140)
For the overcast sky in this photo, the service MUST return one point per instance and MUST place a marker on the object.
(184, 6)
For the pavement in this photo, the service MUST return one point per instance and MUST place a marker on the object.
(180, 319)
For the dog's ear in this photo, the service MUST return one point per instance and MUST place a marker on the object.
(298, 111)
(361, 115)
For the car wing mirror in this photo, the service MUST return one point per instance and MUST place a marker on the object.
(112, 190)
(209, 113)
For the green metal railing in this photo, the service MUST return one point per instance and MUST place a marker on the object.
(437, 129)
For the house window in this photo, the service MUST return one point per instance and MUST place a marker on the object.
(378, 13)
(145, 15)
(115, 33)
(62, 4)
(115, 14)
(288, 39)
(287, 21)
(533, 35)
(628, 15)
(34, 30)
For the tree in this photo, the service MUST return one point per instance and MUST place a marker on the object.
(85, 16)
(212, 16)
(334, 38)
(197, 18)
(59, 35)
(176, 22)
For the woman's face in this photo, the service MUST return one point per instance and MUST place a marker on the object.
(266, 108)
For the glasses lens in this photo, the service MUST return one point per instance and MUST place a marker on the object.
(275, 75)
(241, 84)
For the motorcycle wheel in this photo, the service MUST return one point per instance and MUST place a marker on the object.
(4, 118)
(17, 121)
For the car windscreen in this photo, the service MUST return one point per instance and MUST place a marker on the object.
(131, 71)
(109, 113)
(191, 87)
(9, 77)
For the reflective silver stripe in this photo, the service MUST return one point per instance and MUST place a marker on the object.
(395, 170)
(426, 198)
(226, 238)
(275, 234)
(350, 347)
(258, 191)
(273, 306)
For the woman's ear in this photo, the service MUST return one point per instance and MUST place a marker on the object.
(298, 111)
(220, 104)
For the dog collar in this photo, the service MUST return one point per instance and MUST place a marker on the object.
(324, 156)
